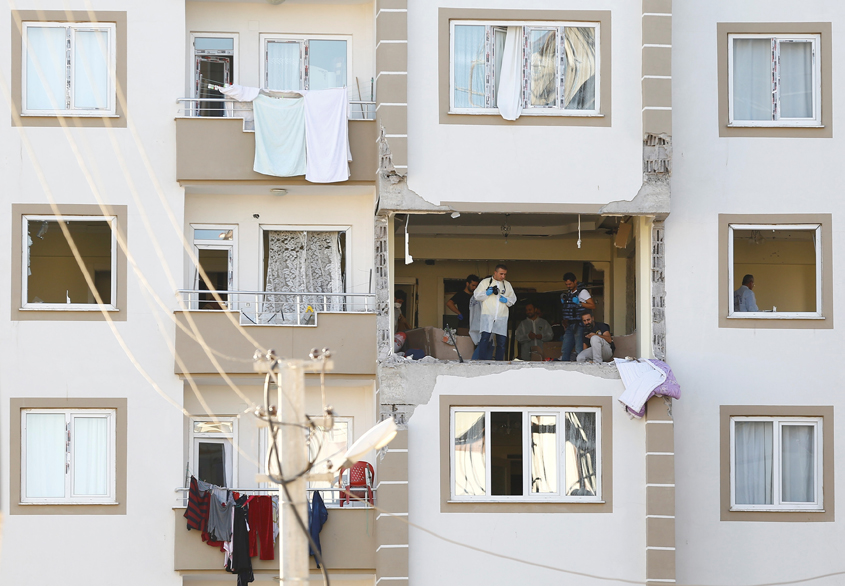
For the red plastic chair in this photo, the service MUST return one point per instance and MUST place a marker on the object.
(361, 477)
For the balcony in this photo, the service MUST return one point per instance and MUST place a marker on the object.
(346, 543)
(290, 323)
(221, 147)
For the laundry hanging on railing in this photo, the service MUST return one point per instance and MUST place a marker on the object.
(281, 137)
(644, 379)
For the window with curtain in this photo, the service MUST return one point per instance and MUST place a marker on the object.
(774, 80)
(212, 450)
(305, 63)
(554, 67)
(68, 69)
(525, 454)
(776, 463)
(68, 456)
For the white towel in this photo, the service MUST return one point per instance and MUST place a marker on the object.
(509, 98)
(279, 136)
(639, 378)
(327, 135)
(240, 93)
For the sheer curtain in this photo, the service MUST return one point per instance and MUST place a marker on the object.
(798, 464)
(283, 65)
(753, 462)
(469, 66)
(796, 79)
(470, 454)
(90, 443)
(544, 469)
(752, 79)
(91, 70)
(579, 74)
(45, 68)
(45, 455)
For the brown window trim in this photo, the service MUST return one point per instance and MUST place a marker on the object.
(724, 29)
(826, 413)
(16, 405)
(20, 210)
(604, 403)
(80, 16)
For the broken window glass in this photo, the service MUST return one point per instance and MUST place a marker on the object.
(580, 450)
(470, 454)
(579, 68)
(544, 467)
(542, 76)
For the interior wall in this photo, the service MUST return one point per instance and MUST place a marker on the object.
(784, 273)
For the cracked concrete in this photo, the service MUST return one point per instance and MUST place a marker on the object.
(654, 196)
(393, 191)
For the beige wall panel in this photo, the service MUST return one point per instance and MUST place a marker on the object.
(660, 532)
(660, 500)
(399, 148)
(660, 469)
(657, 92)
(234, 156)
(660, 438)
(394, 119)
(391, 26)
(657, 61)
(660, 564)
(392, 562)
(394, 466)
(393, 498)
(657, 30)
(392, 88)
(657, 121)
(400, 442)
(392, 57)
(391, 530)
(658, 409)
(382, 4)
(657, 6)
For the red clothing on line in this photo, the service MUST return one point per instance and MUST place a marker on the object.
(261, 527)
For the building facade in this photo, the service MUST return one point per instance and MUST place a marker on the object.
(659, 152)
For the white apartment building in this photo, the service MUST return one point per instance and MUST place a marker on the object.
(658, 151)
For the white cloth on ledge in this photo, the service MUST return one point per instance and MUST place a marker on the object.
(279, 136)
(327, 135)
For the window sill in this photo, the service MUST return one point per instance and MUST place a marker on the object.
(775, 316)
(736, 510)
(110, 309)
(67, 115)
(515, 502)
(779, 126)
(555, 114)
(74, 503)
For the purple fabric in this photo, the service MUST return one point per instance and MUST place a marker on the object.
(669, 388)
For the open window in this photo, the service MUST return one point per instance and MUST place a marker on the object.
(212, 457)
(557, 71)
(215, 250)
(304, 272)
(328, 443)
(292, 62)
(52, 278)
(775, 271)
(214, 62)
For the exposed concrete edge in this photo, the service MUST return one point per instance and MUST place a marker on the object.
(653, 199)
(393, 191)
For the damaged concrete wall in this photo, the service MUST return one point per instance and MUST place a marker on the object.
(658, 291)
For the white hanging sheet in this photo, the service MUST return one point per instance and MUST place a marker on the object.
(279, 136)
(327, 135)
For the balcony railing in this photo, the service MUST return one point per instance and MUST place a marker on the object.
(278, 307)
(332, 497)
(229, 108)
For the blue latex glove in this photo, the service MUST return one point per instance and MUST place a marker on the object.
(503, 299)
(461, 317)
(489, 290)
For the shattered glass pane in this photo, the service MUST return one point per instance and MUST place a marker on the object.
(543, 73)
(580, 453)
(470, 454)
(579, 73)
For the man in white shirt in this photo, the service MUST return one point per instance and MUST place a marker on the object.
(744, 298)
(495, 295)
(532, 332)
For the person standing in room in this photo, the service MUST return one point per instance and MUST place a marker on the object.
(495, 295)
(459, 303)
(400, 323)
(576, 300)
(532, 332)
(744, 298)
(598, 344)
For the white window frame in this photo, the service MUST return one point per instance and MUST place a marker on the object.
(214, 438)
(204, 244)
(526, 26)
(70, 109)
(193, 55)
(817, 228)
(815, 121)
(777, 504)
(70, 498)
(527, 496)
(304, 80)
(112, 221)
(334, 501)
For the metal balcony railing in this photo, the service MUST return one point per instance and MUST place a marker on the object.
(229, 108)
(331, 496)
(278, 308)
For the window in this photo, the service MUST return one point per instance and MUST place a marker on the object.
(215, 250)
(212, 449)
(327, 444)
(776, 463)
(51, 276)
(775, 271)
(557, 66)
(214, 62)
(774, 80)
(68, 69)
(519, 454)
(68, 456)
(297, 63)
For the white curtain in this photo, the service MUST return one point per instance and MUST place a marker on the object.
(45, 455)
(307, 262)
(283, 65)
(796, 79)
(753, 462)
(579, 75)
(798, 464)
(509, 93)
(90, 443)
(91, 69)
(499, 37)
(45, 68)
(470, 454)
(752, 79)
(469, 66)
(544, 467)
